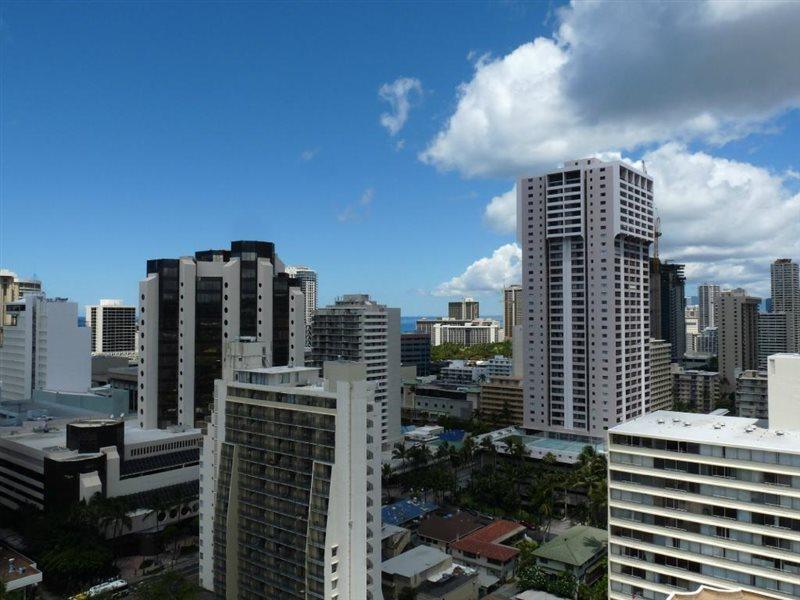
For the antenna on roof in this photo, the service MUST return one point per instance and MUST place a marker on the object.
(644, 167)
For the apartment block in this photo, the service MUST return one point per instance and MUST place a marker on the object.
(359, 329)
(694, 389)
(290, 495)
(736, 319)
(585, 232)
(660, 375)
(512, 309)
(191, 306)
(773, 335)
(751, 395)
(698, 499)
(113, 328)
(501, 400)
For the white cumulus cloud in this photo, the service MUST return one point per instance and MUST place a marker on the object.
(399, 94)
(621, 76)
(488, 274)
(501, 212)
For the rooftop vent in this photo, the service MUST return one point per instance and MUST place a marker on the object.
(676, 419)
(687, 424)
(779, 432)
(661, 421)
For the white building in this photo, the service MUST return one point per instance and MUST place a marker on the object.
(702, 499)
(463, 333)
(291, 490)
(585, 232)
(113, 328)
(773, 335)
(308, 284)
(708, 295)
(190, 307)
(43, 348)
(358, 329)
(692, 319)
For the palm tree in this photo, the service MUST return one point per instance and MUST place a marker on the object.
(400, 452)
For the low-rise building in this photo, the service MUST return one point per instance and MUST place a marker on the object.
(579, 551)
(441, 399)
(394, 540)
(442, 530)
(19, 575)
(457, 583)
(751, 395)
(501, 400)
(461, 331)
(695, 390)
(411, 569)
(490, 551)
(50, 466)
(406, 512)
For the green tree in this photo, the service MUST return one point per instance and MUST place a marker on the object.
(400, 452)
(167, 586)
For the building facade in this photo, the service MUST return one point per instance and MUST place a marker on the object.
(785, 280)
(708, 295)
(668, 305)
(698, 499)
(190, 307)
(12, 288)
(463, 333)
(736, 319)
(43, 348)
(113, 328)
(501, 400)
(358, 329)
(773, 335)
(585, 232)
(660, 375)
(751, 395)
(290, 498)
(467, 309)
(695, 390)
(512, 309)
(415, 351)
(308, 284)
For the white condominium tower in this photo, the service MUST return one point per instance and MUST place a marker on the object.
(708, 296)
(785, 276)
(191, 306)
(290, 491)
(113, 327)
(585, 232)
(357, 328)
(308, 284)
(702, 499)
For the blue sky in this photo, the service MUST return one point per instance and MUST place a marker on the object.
(135, 131)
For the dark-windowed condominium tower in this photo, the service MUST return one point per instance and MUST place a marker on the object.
(512, 309)
(785, 280)
(585, 232)
(668, 305)
(467, 309)
(191, 306)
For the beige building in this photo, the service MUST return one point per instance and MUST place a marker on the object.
(736, 317)
(512, 309)
(12, 288)
(501, 400)
(694, 390)
(708, 593)
(660, 375)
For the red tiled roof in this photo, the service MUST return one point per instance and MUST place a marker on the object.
(484, 541)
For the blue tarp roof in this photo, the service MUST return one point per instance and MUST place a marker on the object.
(404, 511)
(452, 435)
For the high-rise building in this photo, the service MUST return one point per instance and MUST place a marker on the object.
(415, 351)
(785, 279)
(464, 310)
(660, 375)
(708, 341)
(308, 284)
(692, 328)
(773, 335)
(699, 499)
(783, 383)
(512, 309)
(585, 232)
(708, 294)
(291, 489)
(736, 317)
(12, 288)
(191, 306)
(463, 333)
(668, 305)
(44, 349)
(113, 327)
(357, 328)
(751, 395)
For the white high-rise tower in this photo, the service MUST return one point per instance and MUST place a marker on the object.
(708, 296)
(308, 284)
(585, 232)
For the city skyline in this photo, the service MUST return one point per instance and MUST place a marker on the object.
(410, 115)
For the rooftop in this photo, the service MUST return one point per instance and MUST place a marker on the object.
(577, 546)
(487, 541)
(447, 581)
(24, 572)
(415, 561)
(711, 429)
(450, 527)
(404, 511)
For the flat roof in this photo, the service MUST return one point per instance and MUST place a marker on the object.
(24, 567)
(711, 429)
(414, 561)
